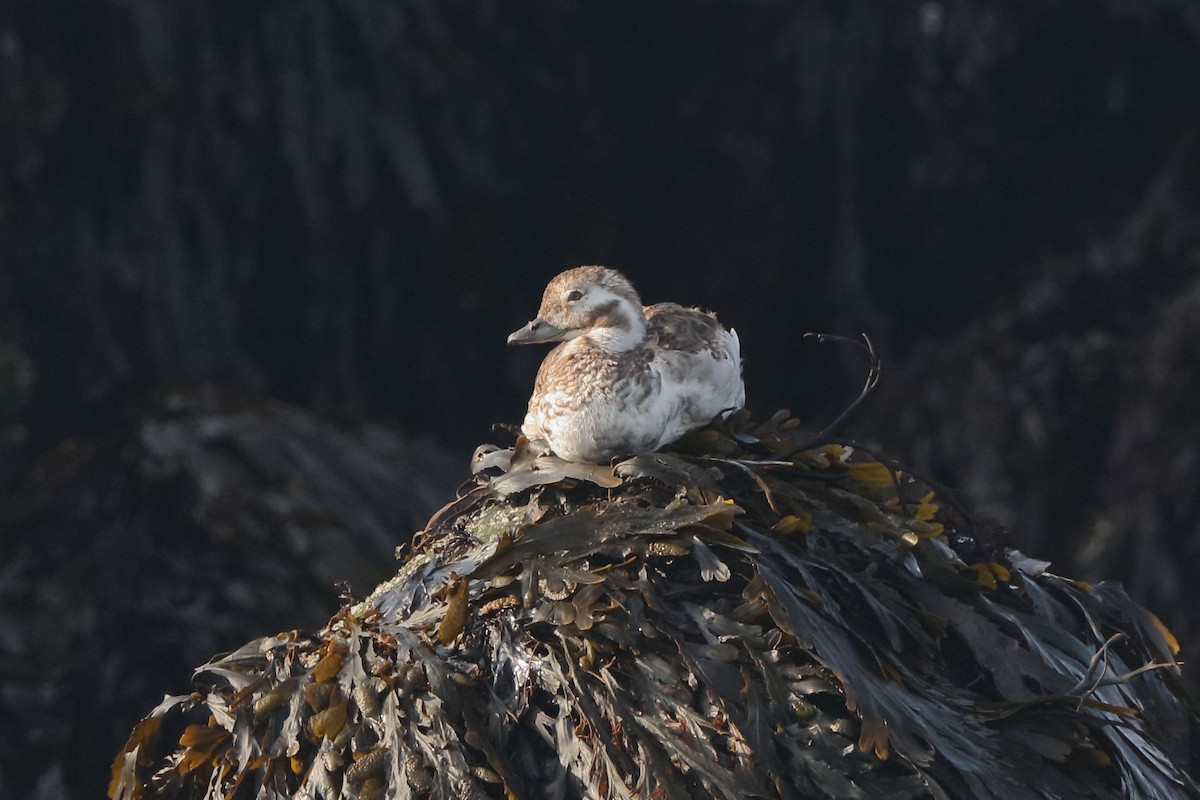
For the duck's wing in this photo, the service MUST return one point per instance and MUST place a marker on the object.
(699, 359)
(671, 327)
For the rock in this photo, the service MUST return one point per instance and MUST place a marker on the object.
(817, 625)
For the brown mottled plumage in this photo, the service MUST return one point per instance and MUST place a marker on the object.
(624, 378)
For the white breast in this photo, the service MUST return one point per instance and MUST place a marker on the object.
(590, 407)
(598, 431)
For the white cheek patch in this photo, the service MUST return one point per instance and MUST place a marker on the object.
(608, 319)
(598, 296)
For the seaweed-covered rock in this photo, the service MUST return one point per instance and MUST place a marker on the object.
(1078, 398)
(748, 616)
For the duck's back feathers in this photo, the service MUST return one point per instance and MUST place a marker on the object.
(670, 326)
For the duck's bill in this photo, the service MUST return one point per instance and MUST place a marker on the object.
(536, 330)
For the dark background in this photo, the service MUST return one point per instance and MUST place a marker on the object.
(242, 242)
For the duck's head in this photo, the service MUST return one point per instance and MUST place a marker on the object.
(597, 302)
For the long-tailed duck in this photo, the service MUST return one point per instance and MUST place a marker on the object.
(626, 379)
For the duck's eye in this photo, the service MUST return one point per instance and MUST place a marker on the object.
(574, 295)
